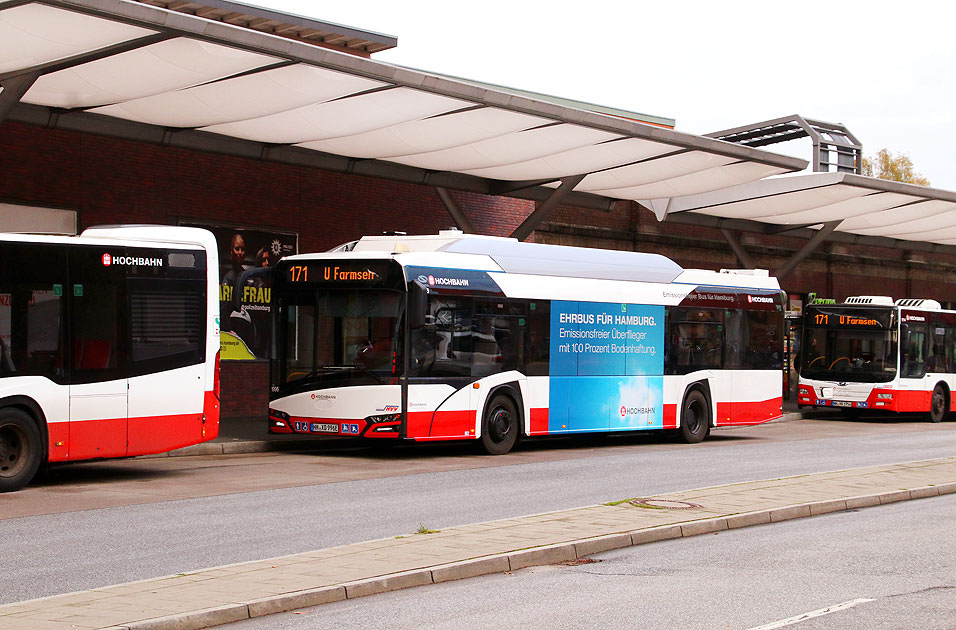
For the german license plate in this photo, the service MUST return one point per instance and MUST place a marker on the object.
(324, 427)
(841, 403)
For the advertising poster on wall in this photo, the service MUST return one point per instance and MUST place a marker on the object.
(245, 289)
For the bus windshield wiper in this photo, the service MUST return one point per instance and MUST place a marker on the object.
(353, 366)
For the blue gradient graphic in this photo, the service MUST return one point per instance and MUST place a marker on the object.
(606, 367)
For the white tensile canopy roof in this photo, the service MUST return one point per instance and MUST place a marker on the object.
(146, 73)
(117, 67)
(848, 203)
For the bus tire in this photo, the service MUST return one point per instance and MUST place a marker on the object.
(20, 449)
(939, 404)
(499, 425)
(694, 417)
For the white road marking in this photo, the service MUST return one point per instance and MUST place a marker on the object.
(816, 613)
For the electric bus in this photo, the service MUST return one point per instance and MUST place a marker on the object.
(463, 337)
(873, 354)
(109, 345)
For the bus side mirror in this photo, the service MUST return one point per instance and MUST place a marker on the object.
(417, 305)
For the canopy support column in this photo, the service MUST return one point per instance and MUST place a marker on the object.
(13, 90)
(459, 217)
(814, 242)
(742, 256)
(542, 211)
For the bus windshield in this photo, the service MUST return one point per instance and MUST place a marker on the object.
(339, 337)
(849, 354)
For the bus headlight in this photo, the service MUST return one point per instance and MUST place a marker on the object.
(385, 417)
(885, 396)
(279, 422)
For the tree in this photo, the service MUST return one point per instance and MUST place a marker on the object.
(897, 168)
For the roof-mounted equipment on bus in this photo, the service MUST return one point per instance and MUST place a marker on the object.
(928, 305)
(877, 300)
(762, 273)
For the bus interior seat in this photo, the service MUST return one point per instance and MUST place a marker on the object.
(92, 354)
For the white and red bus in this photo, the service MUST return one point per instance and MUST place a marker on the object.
(458, 337)
(109, 345)
(873, 354)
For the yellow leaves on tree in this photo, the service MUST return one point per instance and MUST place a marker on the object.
(897, 168)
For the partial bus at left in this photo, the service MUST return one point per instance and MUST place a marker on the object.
(109, 345)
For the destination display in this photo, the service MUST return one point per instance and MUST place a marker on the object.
(606, 366)
(352, 274)
(874, 319)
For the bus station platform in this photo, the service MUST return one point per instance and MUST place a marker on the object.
(219, 595)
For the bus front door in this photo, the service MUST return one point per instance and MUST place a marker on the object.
(98, 385)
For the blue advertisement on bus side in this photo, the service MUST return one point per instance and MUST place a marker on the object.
(607, 365)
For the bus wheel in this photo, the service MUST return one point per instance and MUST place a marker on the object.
(499, 426)
(19, 449)
(939, 404)
(694, 417)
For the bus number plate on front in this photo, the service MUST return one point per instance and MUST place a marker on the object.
(841, 403)
(320, 427)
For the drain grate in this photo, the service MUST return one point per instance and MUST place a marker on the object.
(664, 504)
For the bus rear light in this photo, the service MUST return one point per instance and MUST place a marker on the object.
(215, 379)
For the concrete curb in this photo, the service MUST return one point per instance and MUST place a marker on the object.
(523, 558)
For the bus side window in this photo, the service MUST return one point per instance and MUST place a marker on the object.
(950, 349)
(913, 351)
(166, 323)
(537, 339)
(31, 309)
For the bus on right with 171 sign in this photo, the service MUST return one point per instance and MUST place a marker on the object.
(873, 354)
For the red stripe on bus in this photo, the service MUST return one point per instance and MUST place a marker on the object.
(670, 416)
(158, 434)
(119, 437)
(59, 446)
(749, 413)
(450, 424)
(211, 409)
(539, 421)
(93, 439)
(337, 421)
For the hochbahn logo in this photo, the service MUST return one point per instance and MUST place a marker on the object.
(436, 281)
(759, 299)
(631, 411)
(131, 261)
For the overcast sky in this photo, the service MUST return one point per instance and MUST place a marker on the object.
(887, 70)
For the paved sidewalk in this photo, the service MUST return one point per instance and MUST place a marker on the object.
(231, 593)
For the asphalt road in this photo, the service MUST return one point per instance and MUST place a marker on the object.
(889, 567)
(356, 497)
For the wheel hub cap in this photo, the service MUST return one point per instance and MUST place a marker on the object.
(9, 452)
(501, 425)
